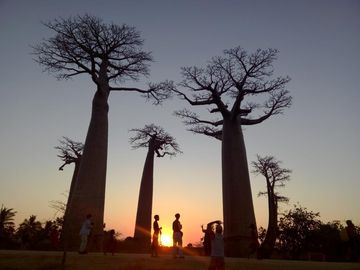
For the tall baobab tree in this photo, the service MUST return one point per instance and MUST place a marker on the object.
(240, 89)
(111, 55)
(158, 142)
(275, 177)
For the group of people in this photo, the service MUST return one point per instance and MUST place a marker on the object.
(177, 237)
(213, 241)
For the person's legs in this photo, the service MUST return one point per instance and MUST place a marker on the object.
(175, 244)
(181, 255)
(83, 243)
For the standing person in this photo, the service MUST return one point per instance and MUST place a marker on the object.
(217, 261)
(352, 244)
(254, 243)
(84, 233)
(208, 235)
(177, 237)
(155, 239)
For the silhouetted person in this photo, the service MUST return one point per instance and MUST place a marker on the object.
(155, 238)
(217, 261)
(254, 241)
(110, 242)
(208, 234)
(352, 243)
(84, 234)
(177, 237)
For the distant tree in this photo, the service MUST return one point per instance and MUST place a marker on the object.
(234, 85)
(158, 142)
(6, 225)
(275, 177)
(29, 231)
(111, 55)
(327, 240)
(70, 152)
(296, 230)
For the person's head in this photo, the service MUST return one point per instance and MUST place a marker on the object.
(349, 222)
(156, 217)
(88, 216)
(218, 229)
(177, 215)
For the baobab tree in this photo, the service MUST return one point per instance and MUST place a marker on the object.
(158, 142)
(70, 152)
(240, 89)
(275, 178)
(111, 55)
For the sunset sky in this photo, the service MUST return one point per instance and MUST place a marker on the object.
(317, 138)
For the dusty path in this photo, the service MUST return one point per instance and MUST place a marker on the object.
(50, 260)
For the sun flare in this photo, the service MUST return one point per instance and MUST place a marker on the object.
(166, 240)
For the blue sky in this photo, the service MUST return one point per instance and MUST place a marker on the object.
(317, 137)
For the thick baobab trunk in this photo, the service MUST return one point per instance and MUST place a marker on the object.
(143, 216)
(88, 196)
(267, 246)
(238, 207)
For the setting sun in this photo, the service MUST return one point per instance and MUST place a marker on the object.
(166, 240)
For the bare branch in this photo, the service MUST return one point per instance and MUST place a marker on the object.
(156, 139)
(230, 82)
(275, 176)
(70, 151)
(83, 43)
(157, 92)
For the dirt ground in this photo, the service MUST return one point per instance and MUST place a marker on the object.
(46, 260)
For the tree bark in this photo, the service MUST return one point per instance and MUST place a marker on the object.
(89, 190)
(238, 207)
(143, 216)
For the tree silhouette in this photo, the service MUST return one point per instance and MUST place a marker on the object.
(156, 140)
(6, 223)
(240, 89)
(275, 177)
(70, 152)
(111, 55)
(29, 231)
(296, 228)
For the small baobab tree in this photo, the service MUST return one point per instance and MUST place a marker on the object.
(240, 89)
(275, 178)
(70, 152)
(110, 55)
(158, 142)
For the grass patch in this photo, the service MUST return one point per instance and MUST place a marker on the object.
(40, 260)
